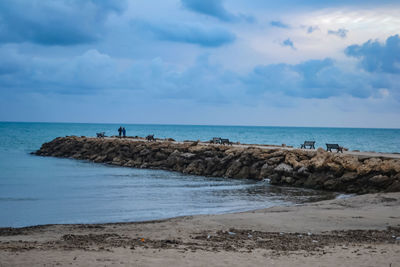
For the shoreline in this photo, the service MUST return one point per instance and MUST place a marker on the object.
(360, 226)
(347, 201)
(34, 226)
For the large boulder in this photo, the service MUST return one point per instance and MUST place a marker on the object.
(233, 168)
(288, 180)
(275, 160)
(390, 165)
(369, 165)
(380, 180)
(349, 163)
(394, 187)
(255, 169)
(292, 159)
(264, 171)
(348, 177)
(303, 172)
(331, 184)
(284, 168)
(319, 160)
(195, 167)
(188, 156)
(243, 173)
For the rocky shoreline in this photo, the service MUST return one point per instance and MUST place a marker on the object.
(315, 169)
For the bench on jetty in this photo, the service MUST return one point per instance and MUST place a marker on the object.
(338, 148)
(225, 142)
(308, 143)
(150, 137)
(101, 134)
(216, 140)
(220, 141)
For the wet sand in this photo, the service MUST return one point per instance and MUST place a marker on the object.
(358, 231)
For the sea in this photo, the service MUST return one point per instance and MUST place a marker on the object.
(44, 190)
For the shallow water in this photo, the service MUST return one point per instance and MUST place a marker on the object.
(36, 190)
(39, 190)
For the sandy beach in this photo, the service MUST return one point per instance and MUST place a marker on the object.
(358, 231)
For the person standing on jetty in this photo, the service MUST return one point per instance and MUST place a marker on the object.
(119, 131)
(123, 132)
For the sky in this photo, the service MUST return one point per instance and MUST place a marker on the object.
(332, 63)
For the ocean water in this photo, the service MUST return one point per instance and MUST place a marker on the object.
(44, 190)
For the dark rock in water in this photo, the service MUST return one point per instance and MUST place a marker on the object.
(380, 179)
(394, 187)
(303, 171)
(264, 171)
(233, 169)
(348, 176)
(313, 169)
(288, 180)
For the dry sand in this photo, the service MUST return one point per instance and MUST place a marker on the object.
(358, 231)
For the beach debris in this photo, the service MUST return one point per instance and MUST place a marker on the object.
(231, 233)
(309, 233)
(300, 235)
(281, 233)
(249, 235)
(142, 239)
(208, 236)
(315, 241)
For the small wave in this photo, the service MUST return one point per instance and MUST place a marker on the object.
(18, 199)
(344, 196)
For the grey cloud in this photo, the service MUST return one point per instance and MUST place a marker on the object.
(186, 33)
(310, 79)
(312, 29)
(279, 24)
(94, 72)
(49, 22)
(288, 43)
(342, 33)
(216, 9)
(378, 57)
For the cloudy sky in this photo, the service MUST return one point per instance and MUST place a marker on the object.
(224, 62)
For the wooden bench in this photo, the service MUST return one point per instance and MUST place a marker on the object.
(308, 143)
(225, 142)
(150, 137)
(100, 135)
(216, 140)
(338, 148)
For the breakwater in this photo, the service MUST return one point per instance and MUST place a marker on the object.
(302, 168)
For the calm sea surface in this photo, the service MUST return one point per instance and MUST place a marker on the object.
(37, 190)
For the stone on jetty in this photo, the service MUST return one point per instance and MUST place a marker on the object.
(313, 169)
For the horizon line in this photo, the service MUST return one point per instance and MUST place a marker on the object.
(212, 125)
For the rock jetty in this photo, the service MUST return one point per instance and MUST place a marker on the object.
(315, 169)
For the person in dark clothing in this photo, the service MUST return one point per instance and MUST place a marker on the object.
(119, 131)
(123, 132)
